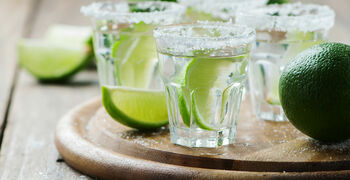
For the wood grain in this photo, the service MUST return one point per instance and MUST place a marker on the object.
(97, 145)
(273, 146)
(15, 16)
(28, 151)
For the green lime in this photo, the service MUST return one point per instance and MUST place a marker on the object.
(61, 33)
(183, 95)
(137, 108)
(136, 56)
(203, 87)
(52, 61)
(68, 34)
(135, 61)
(315, 91)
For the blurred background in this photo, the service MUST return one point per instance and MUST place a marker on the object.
(29, 110)
(341, 28)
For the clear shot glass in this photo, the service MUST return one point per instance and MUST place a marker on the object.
(127, 58)
(282, 31)
(217, 10)
(203, 67)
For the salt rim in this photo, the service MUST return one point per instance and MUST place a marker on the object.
(181, 40)
(308, 17)
(119, 12)
(223, 9)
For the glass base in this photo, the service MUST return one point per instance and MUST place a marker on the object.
(202, 138)
(270, 112)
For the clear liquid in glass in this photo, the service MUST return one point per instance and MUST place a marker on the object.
(203, 96)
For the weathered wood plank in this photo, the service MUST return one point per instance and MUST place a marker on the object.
(14, 15)
(28, 150)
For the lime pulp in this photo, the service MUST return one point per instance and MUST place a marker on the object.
(134, 107)
(203, 85)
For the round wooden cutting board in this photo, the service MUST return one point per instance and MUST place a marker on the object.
(93, 143)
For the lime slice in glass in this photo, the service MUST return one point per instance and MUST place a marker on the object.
(193, 15)
(273, 95)
(204, 83)
(136, 108)
(52, 61)
(183, 95)
(300, 41)
(136, 56)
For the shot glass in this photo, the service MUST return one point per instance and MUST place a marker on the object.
(217, 10)
(132, 91)
(203, 67)
(283, 31)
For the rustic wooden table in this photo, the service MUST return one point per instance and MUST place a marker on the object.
(29, 110)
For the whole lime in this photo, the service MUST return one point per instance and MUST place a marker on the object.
(314, 91)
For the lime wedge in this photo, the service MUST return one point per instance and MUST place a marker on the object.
(136, 108)
(78, 35)
(136, 56)
(51, 61)
(205, 82)
(60, 33)
(183, 95)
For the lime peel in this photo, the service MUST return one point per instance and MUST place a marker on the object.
(195, 94)
(51, 61)
(135, 55)
(136, 108)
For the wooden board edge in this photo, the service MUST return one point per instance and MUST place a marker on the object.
(96, 161)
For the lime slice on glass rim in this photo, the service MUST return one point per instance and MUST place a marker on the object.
(137, 108)
(292, 50)
(202, 80)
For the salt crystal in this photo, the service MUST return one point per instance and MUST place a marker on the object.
(120, 12)
(186, 39)
(288, 17)
(223, 9)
